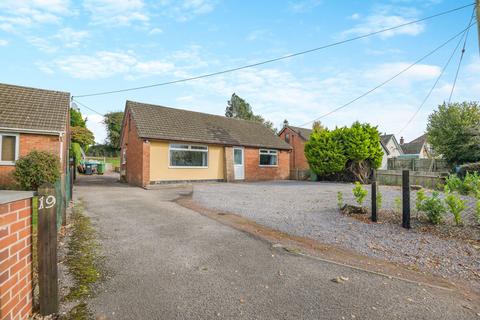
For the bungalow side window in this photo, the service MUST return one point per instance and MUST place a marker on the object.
(8, 148)
(186, 155)
(268, 157)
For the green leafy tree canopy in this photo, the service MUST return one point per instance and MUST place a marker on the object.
(238, 108)
(76, 118)
(453, 131)
(82, 136)
(113, 122)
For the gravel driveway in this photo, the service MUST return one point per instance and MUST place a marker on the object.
(310, 209)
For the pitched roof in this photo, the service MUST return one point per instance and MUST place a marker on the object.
(33, 109)
(302, 132)
(384, 138)
(414, 146)
(164, 123)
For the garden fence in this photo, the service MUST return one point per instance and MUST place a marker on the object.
(425, 165)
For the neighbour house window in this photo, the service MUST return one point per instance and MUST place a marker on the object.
(8, 148)
(185, 155)
(287, 137)
(268, 157)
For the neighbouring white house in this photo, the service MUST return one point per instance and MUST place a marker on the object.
(391, 148)
(418, 148)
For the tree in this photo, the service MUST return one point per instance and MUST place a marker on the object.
(240, 109)
(355, 149)
(76, 119)
(324, 152)
(317, 126)
(113, 122)
(453, 131)
(82, 136)
(36, 168)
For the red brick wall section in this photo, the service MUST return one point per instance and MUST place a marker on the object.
(15, 260)
(137, 166)
(255, 172)
(297, 156)
(30, 142)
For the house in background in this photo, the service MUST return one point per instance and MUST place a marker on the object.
(32, 119)
(296, 137)
(418, 148)
(164, 145)
(391, 149)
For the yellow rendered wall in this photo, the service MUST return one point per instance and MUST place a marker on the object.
(160, 170)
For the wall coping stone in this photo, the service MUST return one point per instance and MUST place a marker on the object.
(7, 196)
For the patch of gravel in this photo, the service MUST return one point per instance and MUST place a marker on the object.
(310, 209)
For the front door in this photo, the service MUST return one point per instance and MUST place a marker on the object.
(238, 166)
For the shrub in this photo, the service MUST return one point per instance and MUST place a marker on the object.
(470, 184)
(35, 169)
(420, 197)
(398, 204)
(340, 199)
(456, 206)
(469, 167)
(434, 208)
(360, 193)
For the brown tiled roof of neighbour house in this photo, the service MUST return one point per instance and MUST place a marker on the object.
(414, 146)
(33, 109)
(164, 123)
(303, 132)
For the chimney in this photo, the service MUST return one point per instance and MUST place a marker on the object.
(402, 141)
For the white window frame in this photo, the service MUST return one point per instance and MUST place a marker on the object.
(189, 148)
(17, 148)
(269, 152)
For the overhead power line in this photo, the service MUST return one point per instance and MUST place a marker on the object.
(274, 59)
(460, 61)
(389, 79)
(85, 106)
(465, 34)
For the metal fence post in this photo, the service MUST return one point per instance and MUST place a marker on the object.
(47, 250)
(406, 199)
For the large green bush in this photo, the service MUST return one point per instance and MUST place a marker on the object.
(35, 169)
(354, 149)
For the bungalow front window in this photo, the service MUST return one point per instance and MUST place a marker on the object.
(186, 155)
(268, 157)
(8, 148)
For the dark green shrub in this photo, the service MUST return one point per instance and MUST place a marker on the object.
(36, 168)
(469, 167)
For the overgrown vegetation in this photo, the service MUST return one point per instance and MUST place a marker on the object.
(456, 205)
(35, 169)
(469, 185)
(359, 193)
(82, 259)
(354, 149)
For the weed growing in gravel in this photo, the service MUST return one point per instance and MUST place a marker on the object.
(379, 200)
(456, 205)
(340, 199)
(398, 204)
(360, 193)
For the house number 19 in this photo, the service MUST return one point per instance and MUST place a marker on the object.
(46, 202)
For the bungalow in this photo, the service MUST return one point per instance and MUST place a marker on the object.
(296, 137)
(164, 145)
(31, 119)
(417, 148)
(391, 148)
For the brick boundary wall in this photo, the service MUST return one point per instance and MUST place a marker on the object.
(15, 255)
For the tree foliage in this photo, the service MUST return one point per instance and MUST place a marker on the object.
(453, 131)
(113, 122)
(240, 109)
(76, 118)
(355, 149)
(82, 136)
(35, 169)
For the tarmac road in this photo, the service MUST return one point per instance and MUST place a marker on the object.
(169, 262)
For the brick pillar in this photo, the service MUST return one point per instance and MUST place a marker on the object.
(15, 255)
(228, 165)
(146, 163)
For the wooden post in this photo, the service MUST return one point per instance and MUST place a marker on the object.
(406, 199)
(374, 196)
(47, 250)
